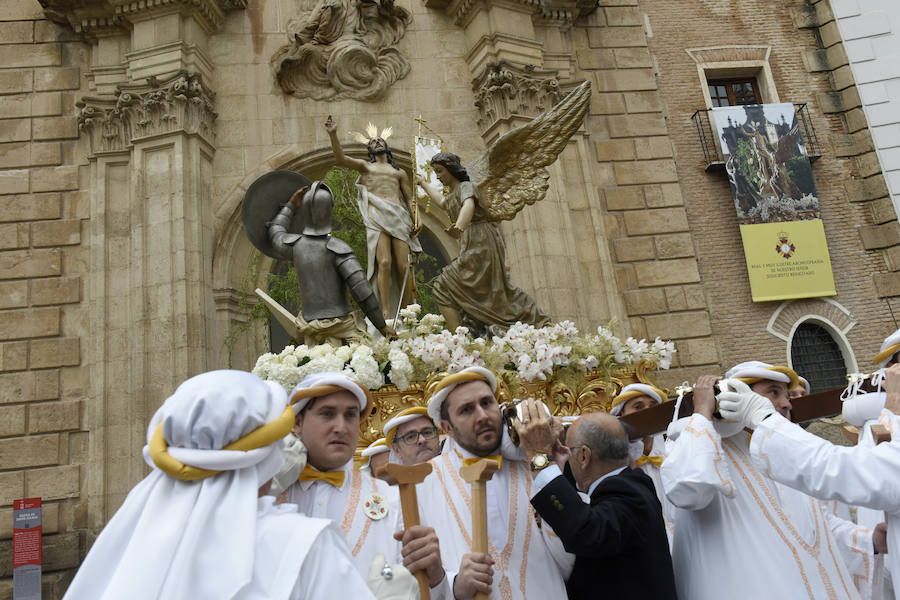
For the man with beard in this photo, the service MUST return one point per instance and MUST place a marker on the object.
(524, 559)
(385, 202)
(412, 436)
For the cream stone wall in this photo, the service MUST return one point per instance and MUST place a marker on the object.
(130, 131)
(44, 273)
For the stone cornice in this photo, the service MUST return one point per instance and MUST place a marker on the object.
(560, 13)
(96, 18)
(180, 102)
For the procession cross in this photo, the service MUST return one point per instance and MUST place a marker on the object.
(406, 478)
(478, 474)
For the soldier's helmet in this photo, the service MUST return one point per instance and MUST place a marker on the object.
(316, 210)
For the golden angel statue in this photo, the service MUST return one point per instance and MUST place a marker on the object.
(474, 289)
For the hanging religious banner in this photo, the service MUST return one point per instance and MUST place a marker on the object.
(776, 203)
(423, 150)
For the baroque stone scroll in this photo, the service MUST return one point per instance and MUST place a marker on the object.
(343, 49)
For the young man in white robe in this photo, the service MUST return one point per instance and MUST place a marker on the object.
(649, 452)
(865, 476)
(328, 407)
(194, 528)
(524, 560)
(737, 532)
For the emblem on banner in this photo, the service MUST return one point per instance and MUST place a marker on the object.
(784, 247)
(376, 506)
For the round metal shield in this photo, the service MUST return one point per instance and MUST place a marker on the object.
(262, 201)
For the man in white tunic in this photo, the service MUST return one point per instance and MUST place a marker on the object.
(523, 559)
(737, 532)
(859, 475)
(650, 452)
(194, 528)
(365, 509)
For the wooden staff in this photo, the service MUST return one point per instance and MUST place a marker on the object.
(477, 474)
(880, 434)
(406, 478)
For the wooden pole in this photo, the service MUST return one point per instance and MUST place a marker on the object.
(477, 475)
(406, 478)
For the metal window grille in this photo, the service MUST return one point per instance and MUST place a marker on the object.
(817, 357)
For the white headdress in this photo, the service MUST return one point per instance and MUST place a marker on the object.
(192, 535)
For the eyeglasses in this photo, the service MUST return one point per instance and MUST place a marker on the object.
(412, 438)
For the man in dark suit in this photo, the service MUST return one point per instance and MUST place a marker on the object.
(619, 539)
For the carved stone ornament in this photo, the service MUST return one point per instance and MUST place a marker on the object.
(505, 89)
(592, 392)
(95, 18)
(343, 49)
(561, 13)
(180, 102)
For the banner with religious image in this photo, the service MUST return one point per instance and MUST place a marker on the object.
(423, 149)
(775, 200)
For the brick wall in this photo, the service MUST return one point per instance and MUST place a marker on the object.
(649, 230)
(739, 325)
(43, 257)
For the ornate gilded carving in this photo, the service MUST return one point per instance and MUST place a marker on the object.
(343, 49)
(505, 89)
(591, 393)
(177, 103)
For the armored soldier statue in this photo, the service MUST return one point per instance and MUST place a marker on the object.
(326, 266)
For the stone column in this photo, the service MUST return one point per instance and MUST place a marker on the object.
(521, 58)
(150, 126)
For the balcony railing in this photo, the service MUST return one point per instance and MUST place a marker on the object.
(712, 146)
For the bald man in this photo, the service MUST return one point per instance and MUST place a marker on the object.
(619, 539)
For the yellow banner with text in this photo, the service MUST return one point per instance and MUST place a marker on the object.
(787, 260)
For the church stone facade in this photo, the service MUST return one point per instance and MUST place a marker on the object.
(130, 130)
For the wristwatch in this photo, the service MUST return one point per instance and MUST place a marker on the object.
(539, 462)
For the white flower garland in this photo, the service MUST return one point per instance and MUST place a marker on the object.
(424, 347)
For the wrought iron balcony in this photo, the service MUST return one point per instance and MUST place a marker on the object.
(712, 145)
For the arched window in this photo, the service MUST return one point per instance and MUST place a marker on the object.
(817, 356)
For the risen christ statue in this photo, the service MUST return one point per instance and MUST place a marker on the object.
(385, 201)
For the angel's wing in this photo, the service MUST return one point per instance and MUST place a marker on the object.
(511, 173)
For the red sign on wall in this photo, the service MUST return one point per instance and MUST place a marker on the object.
(27, 549)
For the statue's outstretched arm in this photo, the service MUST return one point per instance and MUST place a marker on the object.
(279, 235)
(341, 159)
(433, 193)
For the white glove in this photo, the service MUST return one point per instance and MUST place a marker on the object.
(863, 407)
(294, 463)
(391, 582)
(743, 405)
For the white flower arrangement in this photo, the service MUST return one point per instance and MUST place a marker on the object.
(425, 347)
